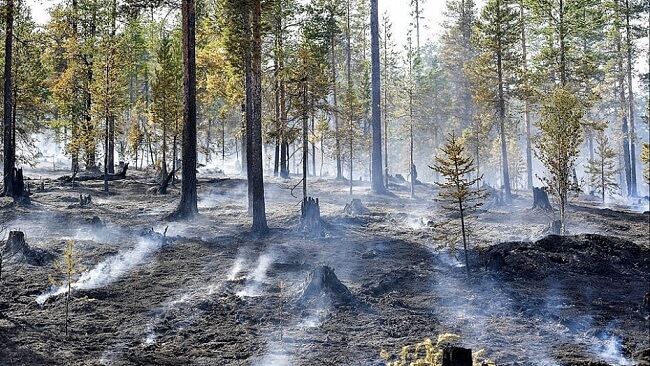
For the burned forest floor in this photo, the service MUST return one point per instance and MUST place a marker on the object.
(209, 292)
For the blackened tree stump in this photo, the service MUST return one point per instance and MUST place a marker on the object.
(310, 220)
(456, 356)
(15, 246)
(540, 199)
(324, 288)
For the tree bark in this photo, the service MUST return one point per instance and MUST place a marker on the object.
(502, 125)
(187, 207)
(529, 150)
(337, 136)
(629, 45)
(9, 157)
(257, 176)
(377, 174)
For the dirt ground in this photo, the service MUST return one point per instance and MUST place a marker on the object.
(213, 293)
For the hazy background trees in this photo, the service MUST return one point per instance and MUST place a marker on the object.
(102, 79)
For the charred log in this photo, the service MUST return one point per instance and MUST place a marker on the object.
(540, 199)
(87, 177)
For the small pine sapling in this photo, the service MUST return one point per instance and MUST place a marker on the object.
(602, 169)
(456, 193)
(70, 269)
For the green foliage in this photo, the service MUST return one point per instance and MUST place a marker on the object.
(558, 144)
(69, 270)
(602, 170)
(456, 193)
(645, 158)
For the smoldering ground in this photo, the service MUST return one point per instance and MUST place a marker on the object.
(216, 294)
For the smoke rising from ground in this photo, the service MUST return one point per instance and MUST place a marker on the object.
(109, 270)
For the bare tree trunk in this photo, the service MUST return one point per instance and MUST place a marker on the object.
(257, 177)
(629, 45)
(337, 136)
(9, 157)
(502, 125)
(187, 207)
(529, 150)
(305, 147)
(377, 175)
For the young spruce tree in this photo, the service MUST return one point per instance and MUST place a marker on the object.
(602, 169)
(456, 192)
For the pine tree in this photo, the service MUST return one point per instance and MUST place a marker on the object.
(602, 169)
(377, 175)
(497, 37)
(187, 207)
(558, 144)
(456, 192)
(166, 108)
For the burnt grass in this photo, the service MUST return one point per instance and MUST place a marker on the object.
(530, 298)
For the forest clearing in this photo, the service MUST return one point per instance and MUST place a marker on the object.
(325, 182)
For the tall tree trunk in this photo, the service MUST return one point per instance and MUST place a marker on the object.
(111, 121)
(349, 91)
(305, 142)
(8, 149)
(187, 207)
(337, 136)
(257, 176)
(248, 107)
(385, 105)
(529, 150)
(624, 126)
(377, 175)
(313, 129)
(502, 125)
(630, 100)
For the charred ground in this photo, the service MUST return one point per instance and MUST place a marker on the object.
(212, 293)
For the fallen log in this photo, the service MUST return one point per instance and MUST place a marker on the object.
(86, 177)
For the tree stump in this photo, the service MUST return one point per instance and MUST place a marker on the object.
(85, 200)
(310, 220)
(356, 207)
(324, 288)
(456, 356)
(15, 242)
(540, 199)
(16, 246)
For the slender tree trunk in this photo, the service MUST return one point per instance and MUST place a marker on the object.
(313, 143)
(187, 207)
(411, 162)
(337, 136)
(385, 105)
(629, 45)
(502, 126)
(305, 142)
(377, 175)
(9, 157)
(529, 149)
(624, 125)
(257, 177)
